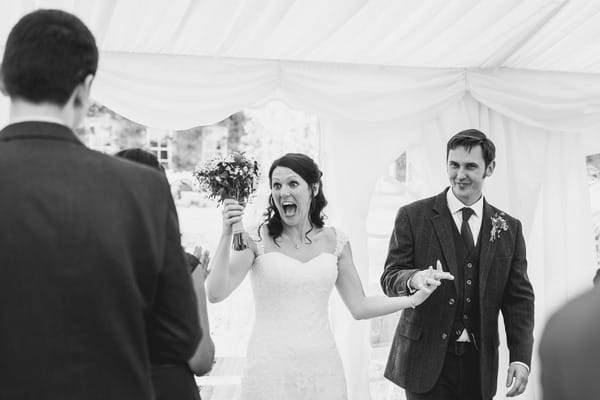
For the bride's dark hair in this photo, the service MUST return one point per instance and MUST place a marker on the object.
(308, 170)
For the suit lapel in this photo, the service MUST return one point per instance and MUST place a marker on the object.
(488, 248)
(442, 223)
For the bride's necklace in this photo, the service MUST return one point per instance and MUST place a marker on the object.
(293, 242)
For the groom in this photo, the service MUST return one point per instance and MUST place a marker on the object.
(447, 348)
(94, 286)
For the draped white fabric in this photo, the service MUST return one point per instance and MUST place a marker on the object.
(384, 76)
(179, 92)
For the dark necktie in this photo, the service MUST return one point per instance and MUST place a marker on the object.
(465, 230)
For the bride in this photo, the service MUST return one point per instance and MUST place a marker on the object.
(294, 262)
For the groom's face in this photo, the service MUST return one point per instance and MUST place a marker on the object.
(467, 172)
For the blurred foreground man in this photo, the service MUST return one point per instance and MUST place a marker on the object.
(93, 282)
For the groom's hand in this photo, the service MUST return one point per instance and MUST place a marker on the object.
(518, 377)
(429, 278)
(431, 281)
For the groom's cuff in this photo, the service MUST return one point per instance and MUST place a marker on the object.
(521, 363)
(409, 288)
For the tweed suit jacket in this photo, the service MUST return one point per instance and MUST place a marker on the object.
(94, 287)
(423, 234)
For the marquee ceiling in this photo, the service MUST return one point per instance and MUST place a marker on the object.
(559, 35)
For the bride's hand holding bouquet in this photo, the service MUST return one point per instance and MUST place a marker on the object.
(231, 181)
(233, 212)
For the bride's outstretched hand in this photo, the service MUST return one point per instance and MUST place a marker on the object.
(432, 279)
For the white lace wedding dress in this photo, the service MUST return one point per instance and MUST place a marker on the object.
(292, 353)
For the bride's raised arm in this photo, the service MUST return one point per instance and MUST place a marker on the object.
(228, 270)
(361, 306)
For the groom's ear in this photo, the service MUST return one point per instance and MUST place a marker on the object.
(490, 169)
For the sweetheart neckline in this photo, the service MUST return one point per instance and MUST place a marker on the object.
(295, 259)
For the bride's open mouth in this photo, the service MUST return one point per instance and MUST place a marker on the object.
(289, 208)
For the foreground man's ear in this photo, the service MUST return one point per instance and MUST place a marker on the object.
(2, 87)
(81, 93)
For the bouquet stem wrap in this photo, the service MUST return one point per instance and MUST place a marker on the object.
(240, 237)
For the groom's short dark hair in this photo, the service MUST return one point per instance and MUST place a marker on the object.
(470, 138)
(47, 54)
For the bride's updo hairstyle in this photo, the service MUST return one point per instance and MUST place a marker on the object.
(308, 170)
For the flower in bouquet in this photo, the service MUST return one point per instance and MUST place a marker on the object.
(234, 176)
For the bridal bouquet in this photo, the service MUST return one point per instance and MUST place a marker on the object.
(232, 177)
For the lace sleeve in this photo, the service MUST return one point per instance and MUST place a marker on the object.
(340, 241)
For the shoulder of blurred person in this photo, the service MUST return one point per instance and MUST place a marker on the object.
(569, 351)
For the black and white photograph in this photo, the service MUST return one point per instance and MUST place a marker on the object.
(299, 200)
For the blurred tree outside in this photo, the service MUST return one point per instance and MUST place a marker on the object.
(186, 147)
(107, 131)
(593, 165)
(265, 133)
(276, 129)
(400, 168)
(123, 133)
(593, 169)
(236, 129)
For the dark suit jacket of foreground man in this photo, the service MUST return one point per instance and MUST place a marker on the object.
(570, 350)
(93, 282)
(422, 234)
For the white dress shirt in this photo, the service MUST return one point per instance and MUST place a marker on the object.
(455, 206)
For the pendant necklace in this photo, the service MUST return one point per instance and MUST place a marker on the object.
(296, 245)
